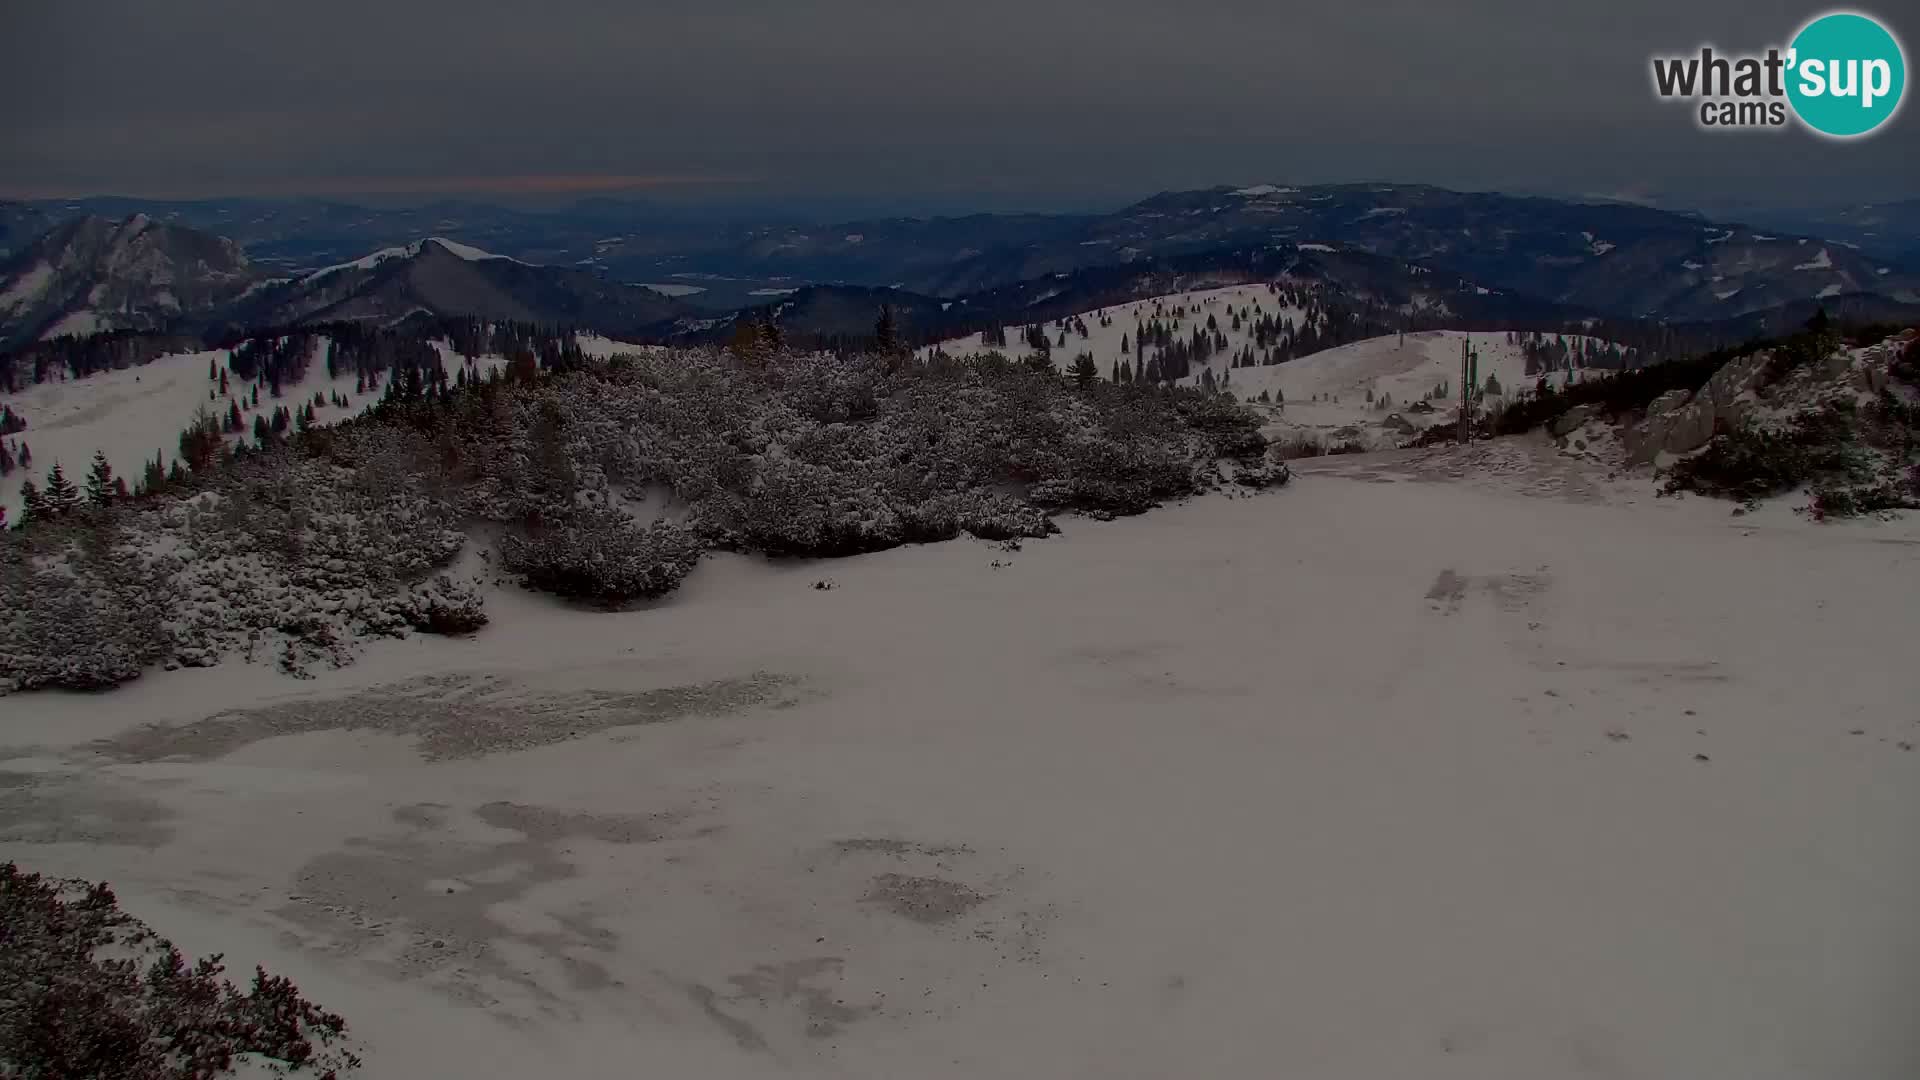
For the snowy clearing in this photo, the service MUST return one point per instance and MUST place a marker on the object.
(1376, 775)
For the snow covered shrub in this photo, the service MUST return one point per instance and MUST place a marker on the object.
(988, 515)
(1752, 461)
(1858, 459)
(1261, 474)
(602, 557)
(444, 606)
(1797, 353)
(74, 616)
(606, 483)
(1906, 367)
(87, 990)
(1231, 429)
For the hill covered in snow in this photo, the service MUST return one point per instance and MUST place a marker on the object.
(1264, 346)
(135, 415)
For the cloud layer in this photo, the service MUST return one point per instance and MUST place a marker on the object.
(987, 101)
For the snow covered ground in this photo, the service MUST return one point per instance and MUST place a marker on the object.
(134, 413)
(1382, 774)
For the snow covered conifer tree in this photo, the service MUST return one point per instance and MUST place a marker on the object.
(100, 482)
(33, 505)
(62, 497)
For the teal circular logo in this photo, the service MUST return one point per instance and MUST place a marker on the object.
(1847, 75)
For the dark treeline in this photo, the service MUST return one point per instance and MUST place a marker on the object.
(279, 356)
(78, 357)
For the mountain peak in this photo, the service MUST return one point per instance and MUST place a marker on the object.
(410, 251)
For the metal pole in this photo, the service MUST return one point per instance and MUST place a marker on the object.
(1464, 375)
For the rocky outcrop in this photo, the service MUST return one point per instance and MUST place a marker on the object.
(1680, 422)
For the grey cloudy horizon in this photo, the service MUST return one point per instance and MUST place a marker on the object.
(988, 103)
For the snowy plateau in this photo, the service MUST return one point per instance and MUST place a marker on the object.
(1444, 762)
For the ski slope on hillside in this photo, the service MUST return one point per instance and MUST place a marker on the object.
(1406, 367)
(134, 413)
(1363, 393)
(1321, 398)
(1104, 341)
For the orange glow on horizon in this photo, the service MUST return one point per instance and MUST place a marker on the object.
(535, 184)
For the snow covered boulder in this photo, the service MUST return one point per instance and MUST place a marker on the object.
(1668, 402)
(1676, 422)
(1572, 420)
(1735, 380)
(1689, 428)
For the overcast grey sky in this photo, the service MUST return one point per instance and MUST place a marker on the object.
(984, 102)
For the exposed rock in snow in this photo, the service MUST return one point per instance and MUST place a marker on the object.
(1680, 422)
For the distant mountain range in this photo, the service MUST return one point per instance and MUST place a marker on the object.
(1625, 261)
(92, 275)
(443, 277)
(20, 225)
(1889, 230)
(632, 269)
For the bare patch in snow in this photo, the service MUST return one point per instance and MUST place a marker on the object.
(450, 716)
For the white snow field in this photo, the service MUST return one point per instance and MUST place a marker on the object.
(133, 413)
(1380, 774)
